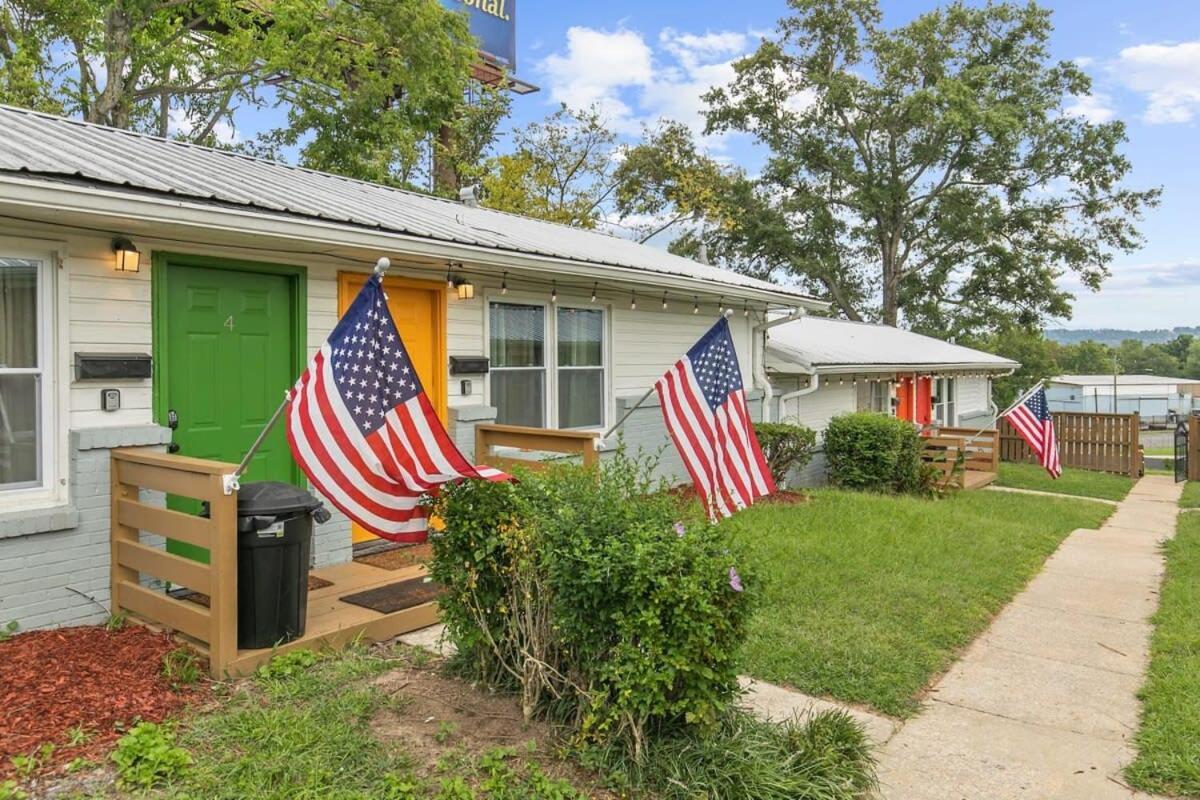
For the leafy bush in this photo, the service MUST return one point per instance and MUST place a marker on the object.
(875, 452)
(826, 758)
(785, 446)
(147, 756)
(588, 592)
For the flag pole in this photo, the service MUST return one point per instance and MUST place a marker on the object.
(726, 314)
(1024, 396)
(230, 483)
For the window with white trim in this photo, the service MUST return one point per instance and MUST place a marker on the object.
(944, 405)
(547, 365)
(24, 401)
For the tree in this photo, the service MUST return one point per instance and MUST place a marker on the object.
(1191, 363)
(930, 171)
(363, 84)
(1088, 358)
(1025, 345)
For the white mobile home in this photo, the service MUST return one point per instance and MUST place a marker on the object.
(821, 367)
(1156, 398)
(154, 293)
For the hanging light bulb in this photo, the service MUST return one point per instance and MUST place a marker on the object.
(746, 308)
(664, 301)
(721, 305)
(504, 284)
(554, 292)
(594, 285)
(449, 278)
(695, 305)
(633, 301)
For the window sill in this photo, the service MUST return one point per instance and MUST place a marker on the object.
(38, 520)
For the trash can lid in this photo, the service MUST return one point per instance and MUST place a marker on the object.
(263, 498)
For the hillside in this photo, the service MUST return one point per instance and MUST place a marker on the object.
(1114, 336)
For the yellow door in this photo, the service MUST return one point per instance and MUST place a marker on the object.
(419, 309)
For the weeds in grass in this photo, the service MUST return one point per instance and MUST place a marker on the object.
(826, 758)
(148, 756)
(287, 665)
(26, 764)
(77, 735)
(445, 731)
(116, 622)
(180, 668)
(11, 790)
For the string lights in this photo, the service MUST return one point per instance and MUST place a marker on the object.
(664, 301)
(554, 293)
(695, 304)
(633, 300)
(594, 285)
(504, 284)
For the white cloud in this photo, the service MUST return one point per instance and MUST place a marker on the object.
(1167, 74)
(1092, 107)
(637, 83)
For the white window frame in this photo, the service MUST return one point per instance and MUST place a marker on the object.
(48, 489)
(550, 351)
(951, 382)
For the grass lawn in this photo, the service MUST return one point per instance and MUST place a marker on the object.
(1168, 743)
(866, 598)
(1191, 495)
(1079, 482)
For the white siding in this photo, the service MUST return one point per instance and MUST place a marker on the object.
(973, 396)
(816, 409)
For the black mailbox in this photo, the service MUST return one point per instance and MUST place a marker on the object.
(468, 365)
(112, 366)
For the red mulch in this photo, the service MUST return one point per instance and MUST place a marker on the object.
(54, 680)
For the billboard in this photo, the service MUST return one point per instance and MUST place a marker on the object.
(494, 23)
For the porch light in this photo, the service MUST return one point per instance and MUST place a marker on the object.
(466, 289)
(128, 257)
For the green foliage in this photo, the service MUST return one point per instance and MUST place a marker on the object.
(362, 85)
(589, 592)
(24, 765)
(147, 756)
(11, 790)
(1168, 742)
(865, 597)
(927, 171)
(287, 665)
(874, 452)
(743, 758)
(116, 622)
(180, 667)
(9, 630)
(785, 446)
(1191, 495)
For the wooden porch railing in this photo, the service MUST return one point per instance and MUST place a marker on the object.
(537, 440)
(215, 626)
(979, 450)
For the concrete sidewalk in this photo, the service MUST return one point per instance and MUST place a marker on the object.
(1043, 704)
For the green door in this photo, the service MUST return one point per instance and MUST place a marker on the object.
(230, 356)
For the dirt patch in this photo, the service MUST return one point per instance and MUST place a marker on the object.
(77, 690)
(432, 716)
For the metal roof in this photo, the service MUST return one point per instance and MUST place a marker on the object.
(1106, 381)
(814, 343)
(44, 145)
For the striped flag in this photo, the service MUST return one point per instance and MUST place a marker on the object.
(363, 430)
(705, 409)
(1032, 420)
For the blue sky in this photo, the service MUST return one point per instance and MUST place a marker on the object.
(643, 60)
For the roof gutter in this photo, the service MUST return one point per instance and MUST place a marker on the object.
(995, 370)
(118, 208)
(758, 356)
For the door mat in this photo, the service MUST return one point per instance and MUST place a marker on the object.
(201, 599)
(398, 557)
(396, 596)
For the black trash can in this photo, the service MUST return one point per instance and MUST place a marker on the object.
(274, 541)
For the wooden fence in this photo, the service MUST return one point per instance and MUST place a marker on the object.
(532, 440)
(1100, 442)
(979, 451)
(214, 627)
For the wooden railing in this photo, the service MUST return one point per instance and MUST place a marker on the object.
(532, 440)
(215, 626)
(1100, 442)
(966, 457)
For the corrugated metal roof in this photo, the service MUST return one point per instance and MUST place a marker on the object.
(1106, 381)
(815, 342)
(45, 145)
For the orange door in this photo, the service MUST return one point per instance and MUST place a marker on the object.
(419, 309)
(915, 399)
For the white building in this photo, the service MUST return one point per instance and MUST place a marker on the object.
(1157, 398)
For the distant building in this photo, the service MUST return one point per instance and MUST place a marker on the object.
(1156, 398)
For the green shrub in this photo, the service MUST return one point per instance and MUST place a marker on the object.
(590, 593)
(785, 446)
(744, 758)
(148, 756)
(876, 453)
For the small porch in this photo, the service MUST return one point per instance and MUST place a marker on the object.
(966, 458)
(159, 589)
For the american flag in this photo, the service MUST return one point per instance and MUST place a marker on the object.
(362, 428)
(1032, 420)
(705, 409)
